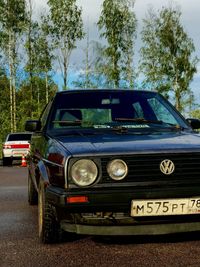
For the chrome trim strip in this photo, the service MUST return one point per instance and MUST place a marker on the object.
(65, 172)
(51, 162)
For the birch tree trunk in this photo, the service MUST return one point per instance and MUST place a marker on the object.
(10, 80)
(30, 56)
(14, 80)
(47, 87)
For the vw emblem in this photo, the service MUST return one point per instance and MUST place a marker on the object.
(167, 166)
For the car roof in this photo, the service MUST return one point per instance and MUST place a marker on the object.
(103, 90)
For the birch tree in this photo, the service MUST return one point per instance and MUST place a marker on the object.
(4, 106)
(44, 52)
(67, 29)
(40, 56)
(167, 55)
(12, 21)
(87, 77)
(31, 29)
(117, 24)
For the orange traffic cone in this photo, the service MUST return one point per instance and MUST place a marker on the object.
(24, 163)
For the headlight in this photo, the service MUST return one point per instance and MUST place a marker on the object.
(117, 169)
(84, 172)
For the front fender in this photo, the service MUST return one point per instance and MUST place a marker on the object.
(43, 173)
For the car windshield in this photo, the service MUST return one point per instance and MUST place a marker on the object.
(19, 137)
(104, 109)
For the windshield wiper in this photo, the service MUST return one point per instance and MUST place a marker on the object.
(176, 127)
(68, 122)
(141, 120)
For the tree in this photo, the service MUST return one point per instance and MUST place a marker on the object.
(12, 21)
(87, 77)
(66, 29)
(40, 56)
(195, 113)
(45, 54)
(29, 46)
(4, 106)
(40, 63)
(167, 60)
(39, 99)
(117, 24)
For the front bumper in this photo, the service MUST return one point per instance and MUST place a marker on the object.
(84, 218)
(125, 230)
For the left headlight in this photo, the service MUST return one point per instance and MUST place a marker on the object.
(117, 169)
(84, 172)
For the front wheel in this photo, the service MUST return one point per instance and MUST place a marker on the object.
(49, 227)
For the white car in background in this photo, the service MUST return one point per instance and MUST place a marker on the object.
(16, 145)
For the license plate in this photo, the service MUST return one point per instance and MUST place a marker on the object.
(163, 207)
(19, 153)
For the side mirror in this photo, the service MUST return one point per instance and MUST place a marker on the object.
(33, 125)
(194, 123)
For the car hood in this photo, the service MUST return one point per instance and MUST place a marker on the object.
(109, 143)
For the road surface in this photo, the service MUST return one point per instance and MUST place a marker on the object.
(19, 245)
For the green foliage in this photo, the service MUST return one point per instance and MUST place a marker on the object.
(40, 55)
(118, 26)
(13, 18)
(24, 110)
(13, 15)
(66, 21)
(167, 54)
(195, 114)
(41, 48)
(85, 82)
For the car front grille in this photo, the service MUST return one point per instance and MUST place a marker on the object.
(145, 168)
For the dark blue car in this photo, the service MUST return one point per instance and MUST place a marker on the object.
(114, 162)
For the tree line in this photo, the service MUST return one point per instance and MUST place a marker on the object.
(33, 48)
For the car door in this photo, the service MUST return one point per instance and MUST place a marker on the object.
(38, 145)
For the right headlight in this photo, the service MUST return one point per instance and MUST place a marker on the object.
(84, 172)
(117, 169)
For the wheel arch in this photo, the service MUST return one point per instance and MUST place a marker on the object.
(42, 174)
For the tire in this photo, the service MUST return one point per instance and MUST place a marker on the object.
(7, 161)
(32, 192)
(49, 227)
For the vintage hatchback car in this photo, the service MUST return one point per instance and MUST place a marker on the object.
(114, 162)
(15, 146)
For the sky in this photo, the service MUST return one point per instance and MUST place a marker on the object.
(91, 10)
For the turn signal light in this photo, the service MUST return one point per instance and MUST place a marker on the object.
(77, 199)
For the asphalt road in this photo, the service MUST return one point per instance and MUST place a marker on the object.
(19, 245)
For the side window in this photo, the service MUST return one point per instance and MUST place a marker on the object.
(45, 113)
(161, 112)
